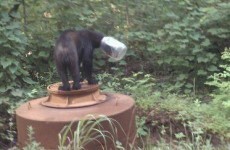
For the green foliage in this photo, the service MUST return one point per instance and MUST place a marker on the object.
(181, 145)
(221, 97)
(193, 118)
(139, 86)
(142, 129)
(181, 37)
(222, 82)
(177, 37)
(13, 74)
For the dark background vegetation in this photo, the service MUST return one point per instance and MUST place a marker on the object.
(176, 67)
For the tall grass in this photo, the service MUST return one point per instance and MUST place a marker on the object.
(78, 134)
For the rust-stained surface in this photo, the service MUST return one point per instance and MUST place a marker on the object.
(85, 88)
(48, 121)
(86, 96)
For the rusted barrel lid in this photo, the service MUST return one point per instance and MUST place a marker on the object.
(86, 96)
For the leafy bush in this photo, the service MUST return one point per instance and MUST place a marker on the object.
(14, 76)
(221, 95)
(139, 86)
(222, 83)
(182, 38)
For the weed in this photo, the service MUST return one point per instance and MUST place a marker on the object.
(31, 143)
(89, 130)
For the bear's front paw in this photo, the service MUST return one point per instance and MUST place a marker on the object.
(76, 86)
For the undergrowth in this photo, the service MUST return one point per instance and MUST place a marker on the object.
(174, 120)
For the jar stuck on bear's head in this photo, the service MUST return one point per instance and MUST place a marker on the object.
(113, 48)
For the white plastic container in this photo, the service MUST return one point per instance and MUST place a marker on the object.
(113, 48)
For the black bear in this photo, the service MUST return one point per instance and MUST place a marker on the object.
(71, 49)
(74, 48)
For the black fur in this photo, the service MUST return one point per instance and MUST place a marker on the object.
(73, 48)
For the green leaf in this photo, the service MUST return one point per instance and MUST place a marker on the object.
(206, 42)
(160, 61)
(28, 80)
(2, 89)
(212, 68)
(3, 99)
(182, 77)
(15, 15)
(202, 59)
(210, 55)
(168, 60)
(14, 25)
(43, 54)
(189, 85)
(201, 72)
(23, 72)
(100, 62)
(5, 16)
(3, 41)
(15, 53)
(218, 31)
(172, 15)
(190, 58)
(122, 62)
(13, 69)
(196, 49)
(179, 135)
(195, 36)
(17, 92)
(5, 63)
(226, 104)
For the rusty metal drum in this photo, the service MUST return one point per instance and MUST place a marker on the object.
(48, 115)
